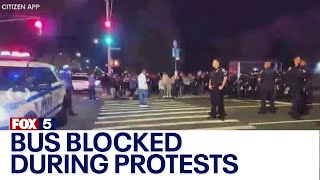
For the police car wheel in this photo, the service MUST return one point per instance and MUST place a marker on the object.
(62, 116)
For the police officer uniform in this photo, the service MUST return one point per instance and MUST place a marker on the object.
(308, 92)
(216, 95)
(296, 78)
(66, 76)
(268, 83)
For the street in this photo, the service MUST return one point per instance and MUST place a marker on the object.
(87, 113)
(186, 113)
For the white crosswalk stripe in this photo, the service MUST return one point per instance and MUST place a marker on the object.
(161, 114)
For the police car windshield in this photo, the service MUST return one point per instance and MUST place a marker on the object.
(30, 77)
(80, 78)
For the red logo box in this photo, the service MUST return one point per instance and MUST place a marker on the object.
(24, 124)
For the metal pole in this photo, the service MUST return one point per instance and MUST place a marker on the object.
(108, 46)
(175, 65)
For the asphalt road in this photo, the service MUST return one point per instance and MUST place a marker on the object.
(87, 113)
(186, 113)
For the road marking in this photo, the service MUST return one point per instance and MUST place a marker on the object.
(150, 106)
(137, 102)
(230, 128)
(167, 124)
(125, 109)
(285, 122)
(153, 114)
(154, 110)
(126, 101)
(135, 105)
(151, 119)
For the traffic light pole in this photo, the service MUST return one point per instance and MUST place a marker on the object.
(108, 45)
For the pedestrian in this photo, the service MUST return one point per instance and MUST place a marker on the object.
(296, 77)
(267, 80)
(167, 85)
(65, 75)
(133, 83)
(217, 82)
(92, 87)
(307, 90)
(161, 87)
(113, 86)
(175, 86)
(143, 89)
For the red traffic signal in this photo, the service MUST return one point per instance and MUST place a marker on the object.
(107, 24)
(38, 24)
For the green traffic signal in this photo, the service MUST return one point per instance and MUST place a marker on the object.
(108, 39)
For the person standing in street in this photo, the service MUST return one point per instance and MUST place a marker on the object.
(143, 89)
(267, 80)
(307, 91)
(65, 75)
(296, 77)
(217, 83)
(133, 83)
(92, 87)
(161, 87)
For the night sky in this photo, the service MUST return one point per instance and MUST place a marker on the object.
(72, 24)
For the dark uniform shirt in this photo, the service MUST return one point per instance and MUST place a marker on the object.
(296, 78)
(308, 74)
(268, 78)
(217, 76)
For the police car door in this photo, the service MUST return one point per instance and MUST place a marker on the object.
(43, 103)
(52, 102)
(58, 91)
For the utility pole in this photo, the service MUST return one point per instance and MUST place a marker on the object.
(108, 45)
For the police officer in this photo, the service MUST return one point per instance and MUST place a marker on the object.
(217, 82)
(65, 75)
(267, 81)
(307, 93)
(296, 77)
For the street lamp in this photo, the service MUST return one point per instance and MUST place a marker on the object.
(87, 61)
(78, 54)
(96, 41)
(60, 54)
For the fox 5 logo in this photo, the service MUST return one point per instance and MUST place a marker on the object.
(32, 124)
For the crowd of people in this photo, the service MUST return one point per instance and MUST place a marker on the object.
(265, 85)
(166, 86)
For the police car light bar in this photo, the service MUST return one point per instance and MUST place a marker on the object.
(5, 53)
(14, 54)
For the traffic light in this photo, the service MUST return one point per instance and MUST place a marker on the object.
(38, 25)
(107, 24)
(108, 39)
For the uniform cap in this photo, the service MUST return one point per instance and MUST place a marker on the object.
(66, 67)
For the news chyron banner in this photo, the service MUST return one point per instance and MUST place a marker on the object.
(164, 155)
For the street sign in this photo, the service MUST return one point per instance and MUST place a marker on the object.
(173, 52)
(175, 43)
(176, 53)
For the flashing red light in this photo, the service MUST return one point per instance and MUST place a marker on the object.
(38, 24)
(107, 24)
(14, 54)
(5, 53)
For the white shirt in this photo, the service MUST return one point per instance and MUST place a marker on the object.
(142, 82)
(161, 85)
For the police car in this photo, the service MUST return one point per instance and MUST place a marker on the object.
(30, 89)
